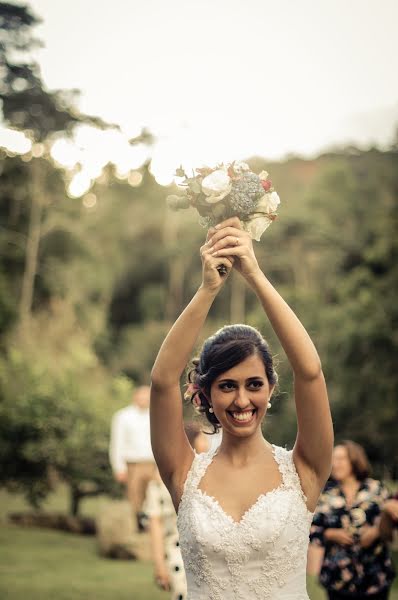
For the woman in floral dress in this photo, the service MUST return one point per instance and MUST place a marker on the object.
(357, 563)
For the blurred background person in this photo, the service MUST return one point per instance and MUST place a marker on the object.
(130, 450)
(315, 550)
(356, 562)
(169, 570)
(389, 519)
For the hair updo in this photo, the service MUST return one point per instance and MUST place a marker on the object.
(228, 347)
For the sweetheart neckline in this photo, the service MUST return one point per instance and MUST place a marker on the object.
(262, 496)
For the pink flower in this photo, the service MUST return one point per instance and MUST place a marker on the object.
(191, 389)
(267, 185)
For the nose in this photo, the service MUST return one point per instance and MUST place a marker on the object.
(242, 400)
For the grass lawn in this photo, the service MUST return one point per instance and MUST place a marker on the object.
(38, 564)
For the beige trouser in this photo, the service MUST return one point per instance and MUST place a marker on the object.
(138, 476)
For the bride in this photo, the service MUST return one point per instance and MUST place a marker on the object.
(244, 509)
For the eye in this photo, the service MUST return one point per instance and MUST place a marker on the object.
(256, 384)
(226, 386)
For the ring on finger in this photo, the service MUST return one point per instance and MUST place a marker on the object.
(236, 241)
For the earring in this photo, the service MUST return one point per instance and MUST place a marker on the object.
(211, 409)
(269, 404)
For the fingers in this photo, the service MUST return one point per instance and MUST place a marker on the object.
(210, 258)
(231, 234)
(237, 251)
(227, 261)
(215, 261)
(347, 540)
(209, 234)
(227, 241)
(231, 222)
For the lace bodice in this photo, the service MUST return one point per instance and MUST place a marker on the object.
(263, 556)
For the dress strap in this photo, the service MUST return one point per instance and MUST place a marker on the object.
(288, 470)
(198, 469)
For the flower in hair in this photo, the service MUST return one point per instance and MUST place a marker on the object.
(192, 390)
(227, 191)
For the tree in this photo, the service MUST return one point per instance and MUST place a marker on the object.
(360, 275)
(55, 411)
(28, 106)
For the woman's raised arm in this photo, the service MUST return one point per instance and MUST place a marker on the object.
(314, 443)
(171, 448)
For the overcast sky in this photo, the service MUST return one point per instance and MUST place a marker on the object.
(223, 79)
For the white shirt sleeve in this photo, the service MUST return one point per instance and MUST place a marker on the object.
(117, 442)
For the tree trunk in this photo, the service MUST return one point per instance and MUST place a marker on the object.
(299, 265)
(176, 287)
(176, 265)
(32, 245)
(75, 497)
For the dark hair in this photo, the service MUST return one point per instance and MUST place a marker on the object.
(359, 461)
(228, 347)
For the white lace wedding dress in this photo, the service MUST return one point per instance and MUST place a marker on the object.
(263, 556)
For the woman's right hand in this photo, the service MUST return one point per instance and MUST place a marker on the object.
(162, 577)
(338, 536)
(212, 280)
(391, 508)
(228, 239)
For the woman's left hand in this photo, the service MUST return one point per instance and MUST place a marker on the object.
(229, 239)
(368, 535)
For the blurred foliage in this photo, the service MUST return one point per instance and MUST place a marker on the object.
(107, 278)
(26, 104)
(55, 409)
(111, 279)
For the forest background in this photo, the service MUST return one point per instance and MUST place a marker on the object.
(90, 285)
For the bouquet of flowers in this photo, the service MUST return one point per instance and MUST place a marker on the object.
(227, 191)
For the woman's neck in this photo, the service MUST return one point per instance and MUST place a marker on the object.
(240, 451)
(349, 483)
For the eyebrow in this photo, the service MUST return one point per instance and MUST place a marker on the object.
(255, 378)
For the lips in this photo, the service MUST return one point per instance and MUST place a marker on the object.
(242, 418)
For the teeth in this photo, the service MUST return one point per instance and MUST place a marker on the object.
(243, 416)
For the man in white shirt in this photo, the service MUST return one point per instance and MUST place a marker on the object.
(130, 449)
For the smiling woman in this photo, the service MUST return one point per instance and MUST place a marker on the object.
(233, 352)
(245, 508)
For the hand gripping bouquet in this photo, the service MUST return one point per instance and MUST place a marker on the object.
(227, 191)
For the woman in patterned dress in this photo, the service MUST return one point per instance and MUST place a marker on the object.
(166, 554)
(356, 563)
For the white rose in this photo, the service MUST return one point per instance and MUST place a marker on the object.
(256, 226)
(269, 203)
(263, 175)
(241, 167)
(216, 186)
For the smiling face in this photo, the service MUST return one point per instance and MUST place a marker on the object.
(341, 465)
(240, 396)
